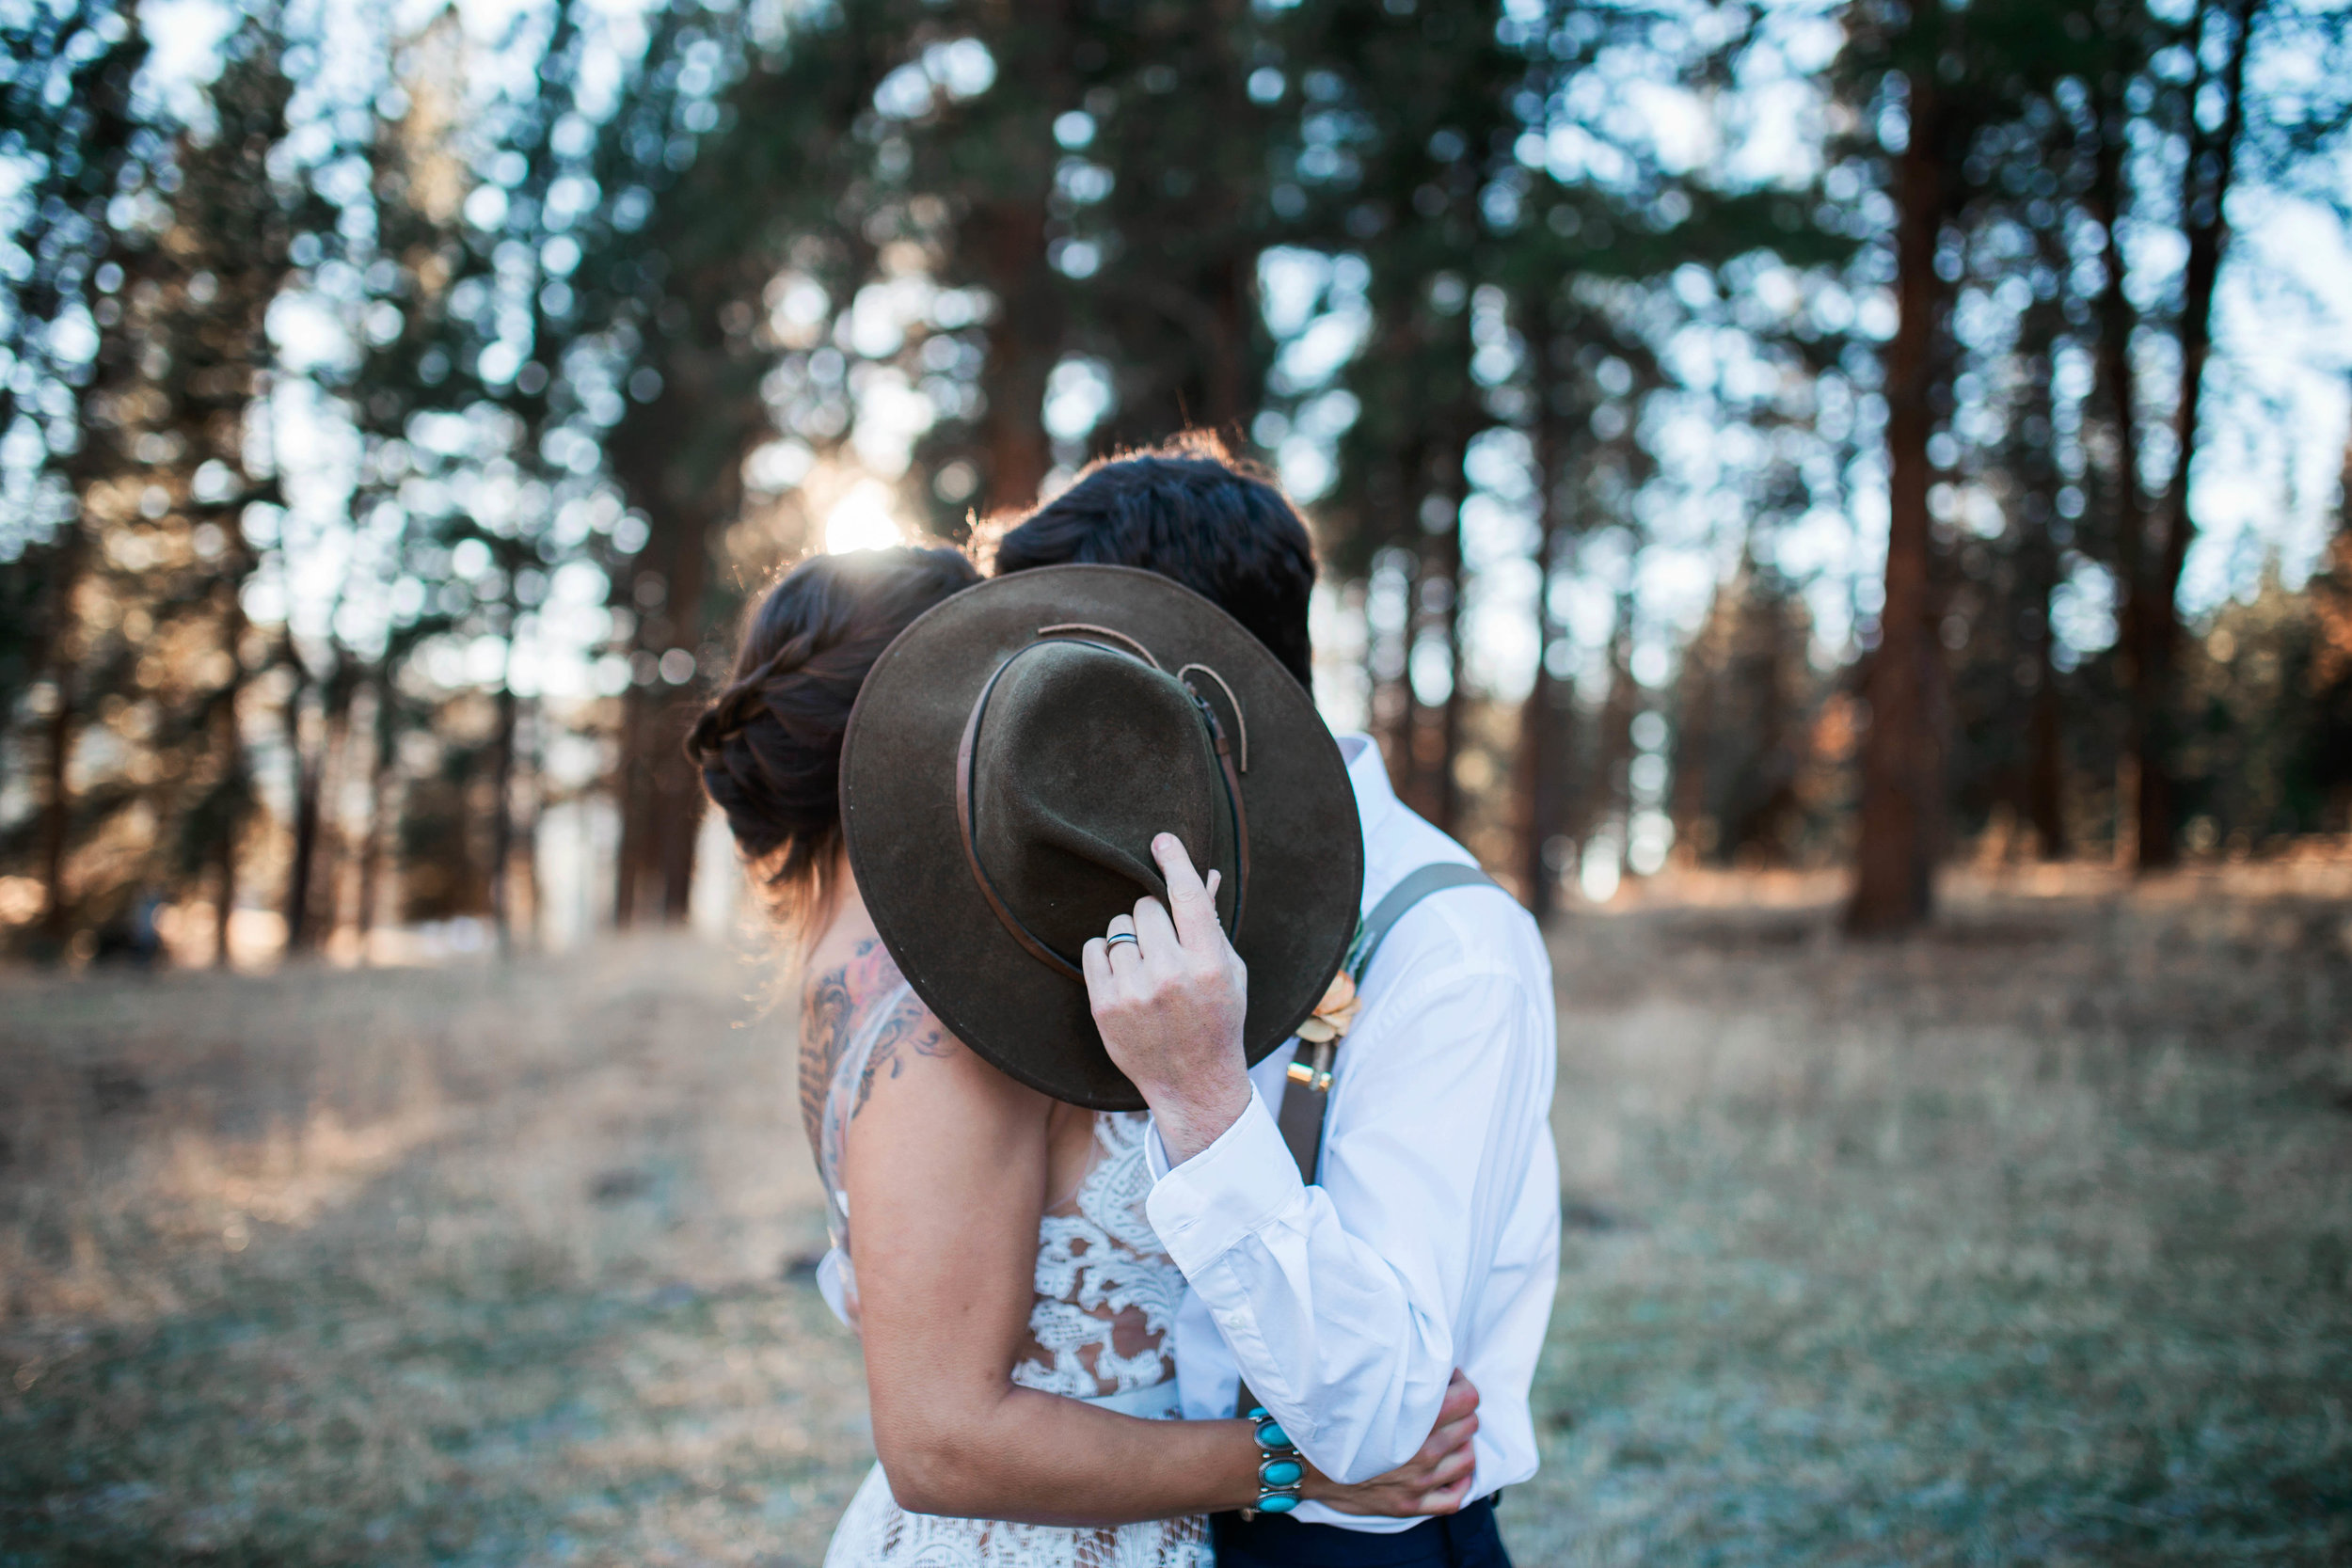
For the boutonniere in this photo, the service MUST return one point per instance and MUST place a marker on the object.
(1334, 1013)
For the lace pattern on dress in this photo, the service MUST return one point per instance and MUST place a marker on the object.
(1107, 1299)
(1107, 1293)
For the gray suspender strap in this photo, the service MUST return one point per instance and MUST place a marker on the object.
(1309, 1087)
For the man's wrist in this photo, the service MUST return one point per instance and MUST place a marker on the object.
(1194, 1115)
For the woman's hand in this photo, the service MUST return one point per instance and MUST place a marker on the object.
(1435, 1481)
(1169, 993)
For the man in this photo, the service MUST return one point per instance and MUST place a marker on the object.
(1430, 1239)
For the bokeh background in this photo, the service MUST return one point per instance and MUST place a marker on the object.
(1844, 506)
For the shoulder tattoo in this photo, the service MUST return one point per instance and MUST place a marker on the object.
(838, 1004)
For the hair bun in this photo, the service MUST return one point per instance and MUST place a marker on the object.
(768, 744)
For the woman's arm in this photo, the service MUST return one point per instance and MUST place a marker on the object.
(946, 1174)
(946, 1168)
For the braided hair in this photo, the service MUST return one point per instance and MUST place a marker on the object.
(768, 744)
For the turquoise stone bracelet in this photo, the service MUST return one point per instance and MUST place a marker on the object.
(1281, 1474)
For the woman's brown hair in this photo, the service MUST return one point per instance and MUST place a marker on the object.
(769, 746)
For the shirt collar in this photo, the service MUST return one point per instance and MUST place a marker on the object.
(1368, 775)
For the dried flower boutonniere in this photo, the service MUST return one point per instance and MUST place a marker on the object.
(1335, 1013)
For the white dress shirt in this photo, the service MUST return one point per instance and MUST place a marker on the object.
(1433, 1239)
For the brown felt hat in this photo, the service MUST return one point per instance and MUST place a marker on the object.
(1011, 756)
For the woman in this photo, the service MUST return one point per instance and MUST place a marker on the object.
(1013, 1302)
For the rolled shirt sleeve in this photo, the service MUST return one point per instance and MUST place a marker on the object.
(1348, 1331)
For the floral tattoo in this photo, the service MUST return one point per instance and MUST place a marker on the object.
(835, 1007)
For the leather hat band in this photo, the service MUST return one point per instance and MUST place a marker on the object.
(1029, 940)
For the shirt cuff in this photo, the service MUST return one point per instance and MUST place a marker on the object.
(1236, 1186)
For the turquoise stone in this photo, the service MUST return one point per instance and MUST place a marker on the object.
(1257, 1412)
(1276, 1504)
(1270, 1434)
(1281, 1472)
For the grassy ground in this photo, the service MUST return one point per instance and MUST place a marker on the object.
(2025, 1244)
(2031, 1242)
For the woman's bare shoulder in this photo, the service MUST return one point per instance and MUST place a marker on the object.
(848, 977)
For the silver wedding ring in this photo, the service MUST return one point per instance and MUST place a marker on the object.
(1117, 937)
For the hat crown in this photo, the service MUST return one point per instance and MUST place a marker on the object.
(1279, 807)
(1083, 754)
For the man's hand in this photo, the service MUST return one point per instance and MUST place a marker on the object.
(1169, 1001)
(1435, 1481)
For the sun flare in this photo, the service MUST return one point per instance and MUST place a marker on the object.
(862, 520)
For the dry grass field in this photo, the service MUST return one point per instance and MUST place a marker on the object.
(2030, 1242)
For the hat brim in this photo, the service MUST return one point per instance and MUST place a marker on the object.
(898, 820)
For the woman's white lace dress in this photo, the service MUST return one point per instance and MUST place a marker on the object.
(1106, 1297)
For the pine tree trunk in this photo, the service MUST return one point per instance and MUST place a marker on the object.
(1435, 733)
(1902, 775)
(630, 785)
(689, 497)
(306, 819)
(1542, 736)
(1611, 798)
(678, 804)
(380, 758)
(56, 658)
(1447, 793)
(2045, 764)
(2205, 183)
(660, 808)
(57, 819)
(1404, 711)
(1024, 339)
(655, 786)
(224, 896)
(325, 896)
(1393, 706)
(2032, 462)
(229, 741)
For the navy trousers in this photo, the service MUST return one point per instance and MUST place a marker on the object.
(1464, 1540)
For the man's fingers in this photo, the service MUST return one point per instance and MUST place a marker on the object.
(1453, 1467)
(1449, 1482)
(1155, 931)
(1450, 1436)
(1188, 898)
(1123, 955)
(1095, 964)
(1461, 1398)
(1445, 1499)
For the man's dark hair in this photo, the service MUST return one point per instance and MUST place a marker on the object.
(1186, 510)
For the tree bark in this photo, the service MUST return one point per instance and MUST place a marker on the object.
(1447, 791)
(326, 894)
(1903, 772)
(658, 793)
(630, 783)
(61, 654)
(57, 818)
(1542, 730)
(380, 759)
(306, 814)
(2029, 458)
(1007, 236)
(1397, 712)
(1609, 799)
(2155, 620)
(661, 800)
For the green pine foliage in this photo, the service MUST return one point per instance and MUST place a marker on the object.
(349, 395)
